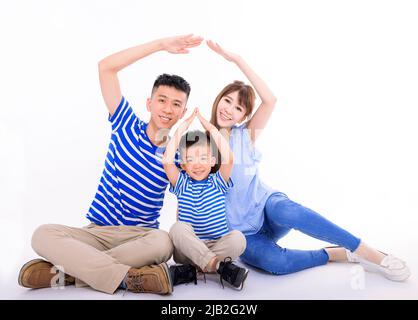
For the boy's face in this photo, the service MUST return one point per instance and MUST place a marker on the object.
(197, 161)
(167, 105)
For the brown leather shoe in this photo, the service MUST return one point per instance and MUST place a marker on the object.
(39, 273)
(150, 279)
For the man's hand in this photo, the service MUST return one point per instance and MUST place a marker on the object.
(181, 44)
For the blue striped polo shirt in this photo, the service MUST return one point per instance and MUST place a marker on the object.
(202, 204)
(133, 183)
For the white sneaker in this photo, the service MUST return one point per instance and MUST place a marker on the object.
(391, 267)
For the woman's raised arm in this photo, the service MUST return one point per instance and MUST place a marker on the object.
(268, 101)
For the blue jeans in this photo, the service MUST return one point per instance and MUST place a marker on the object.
(280, 216)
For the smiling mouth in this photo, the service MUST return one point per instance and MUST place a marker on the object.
(165, 119)
(198, 172)
(224, 117)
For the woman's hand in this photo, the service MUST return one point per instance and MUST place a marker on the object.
(219, 50)
(180, 44)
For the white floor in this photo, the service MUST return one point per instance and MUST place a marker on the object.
(333, 281)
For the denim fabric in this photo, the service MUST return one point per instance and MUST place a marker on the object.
(280, 216)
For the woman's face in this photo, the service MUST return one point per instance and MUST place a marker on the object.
(229, 112)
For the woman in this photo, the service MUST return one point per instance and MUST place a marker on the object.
(265, 215)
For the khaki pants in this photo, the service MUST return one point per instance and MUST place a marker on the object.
(188, 248)
(100, 256)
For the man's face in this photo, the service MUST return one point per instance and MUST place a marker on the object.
(198, 161)
(167, 105)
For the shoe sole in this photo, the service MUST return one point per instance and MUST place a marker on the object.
(167, 273)
(399, 278)
(243, 278)
(396, 275)
(23, 269)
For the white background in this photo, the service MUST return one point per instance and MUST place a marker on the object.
(341, 141)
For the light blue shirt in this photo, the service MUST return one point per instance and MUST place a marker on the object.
(245, 202)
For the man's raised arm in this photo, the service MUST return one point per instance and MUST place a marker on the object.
(111, 65)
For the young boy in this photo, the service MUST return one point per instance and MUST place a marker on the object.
(201, 235)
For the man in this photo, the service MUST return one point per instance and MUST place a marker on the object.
(122, 247)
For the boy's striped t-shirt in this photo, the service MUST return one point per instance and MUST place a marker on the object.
(202, 204)
(133, 183)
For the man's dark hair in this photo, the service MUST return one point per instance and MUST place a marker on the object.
(198, 137)
(172, 80)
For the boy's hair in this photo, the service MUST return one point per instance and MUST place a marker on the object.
(172, 80)
(197, 137)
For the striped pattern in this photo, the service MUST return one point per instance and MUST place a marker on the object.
(202, 204)
(132, 187)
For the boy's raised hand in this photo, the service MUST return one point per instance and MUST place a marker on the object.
(186, 123)
(205, 123)
(169, 155)
(181, 44)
